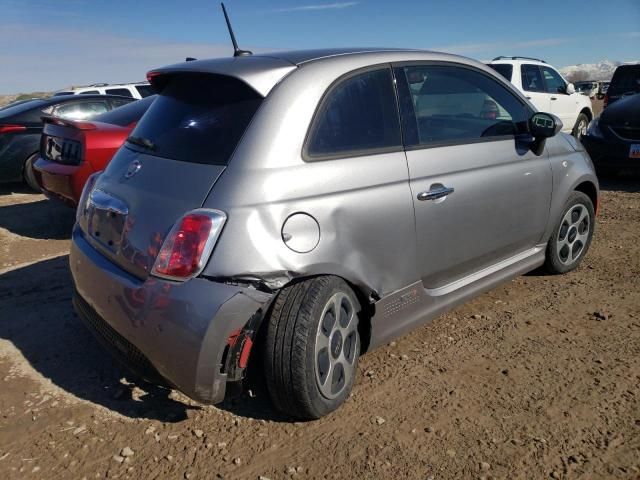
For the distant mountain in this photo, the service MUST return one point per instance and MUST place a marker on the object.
(591, 71)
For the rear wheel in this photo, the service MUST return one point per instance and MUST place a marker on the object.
(312, 347)
(28, 173)
(580, 128)
(572, 236)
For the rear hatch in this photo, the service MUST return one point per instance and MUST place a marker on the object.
(625, 82)
(167, 166)
(623, 118)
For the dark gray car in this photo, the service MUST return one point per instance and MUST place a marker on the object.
(321, 203)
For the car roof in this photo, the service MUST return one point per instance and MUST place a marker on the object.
(264, 70)
(94, 96)
(518, 60)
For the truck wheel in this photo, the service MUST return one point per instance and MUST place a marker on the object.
(572, 236)
(580, 128)
(28, 174)
(312, 347)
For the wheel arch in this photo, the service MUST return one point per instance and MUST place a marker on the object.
(590, 190)
(587, 111)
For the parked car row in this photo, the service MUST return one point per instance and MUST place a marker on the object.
(21, 127)
(592, 88)
(134, 90)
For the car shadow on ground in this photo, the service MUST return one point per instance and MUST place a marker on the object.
(38, 319)
(623, 182)
(18, 187)
(42, 219)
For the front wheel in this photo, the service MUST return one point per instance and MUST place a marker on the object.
(572, 236)
(580, 128)
(312, 347)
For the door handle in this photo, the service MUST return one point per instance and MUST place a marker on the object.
(554, 98)
(435, 193)
(528, 98)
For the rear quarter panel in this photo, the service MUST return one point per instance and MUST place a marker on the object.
(363, 205)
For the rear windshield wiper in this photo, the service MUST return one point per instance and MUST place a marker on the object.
(142, 142)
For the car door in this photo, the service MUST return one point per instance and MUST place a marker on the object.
(534, 87)
(561, 104)
(480, 195)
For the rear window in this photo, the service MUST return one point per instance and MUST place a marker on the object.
(196, 118)
(625, 80)
(127, 114)
(145, 90)
(123, 92)
(503, 69)
(24, 110)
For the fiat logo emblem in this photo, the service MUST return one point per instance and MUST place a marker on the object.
(134, 167)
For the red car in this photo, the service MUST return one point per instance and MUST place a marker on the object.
(71, 150)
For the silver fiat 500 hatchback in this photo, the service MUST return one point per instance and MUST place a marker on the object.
(319, 203)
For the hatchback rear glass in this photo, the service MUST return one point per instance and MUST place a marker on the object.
(129, 113)
(626, 79)
(197, 118)
(504, 69)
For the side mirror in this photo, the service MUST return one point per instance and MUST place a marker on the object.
(544, 125)
(571, 89)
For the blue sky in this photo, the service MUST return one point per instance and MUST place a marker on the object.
(51, 44)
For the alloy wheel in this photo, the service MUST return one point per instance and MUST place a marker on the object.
(336, 346)
(573, 234)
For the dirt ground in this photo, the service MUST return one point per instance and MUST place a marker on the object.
(539, 378)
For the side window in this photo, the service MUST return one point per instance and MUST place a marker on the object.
(553, 81)
(123, 92)
(531, 78)
(119, 102)
(145, 90)
(455, 105)
(90, 92)
(358, 116)
(80, 110)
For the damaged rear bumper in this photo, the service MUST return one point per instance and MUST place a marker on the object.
(184, 333)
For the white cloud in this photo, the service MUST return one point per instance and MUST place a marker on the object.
(320, 6)
(47, 59)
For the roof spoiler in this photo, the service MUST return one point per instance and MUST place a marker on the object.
(63, 122)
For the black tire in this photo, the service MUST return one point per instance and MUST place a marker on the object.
(290, 360)
(582, 122)
(557, 257)
(28, 174)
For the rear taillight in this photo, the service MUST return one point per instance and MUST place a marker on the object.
(86, 193)
(12, 128)
(605, 101)
(188, 246)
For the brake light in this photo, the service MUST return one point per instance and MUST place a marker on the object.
(12, 128)
(188, 246)
(83, 203)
